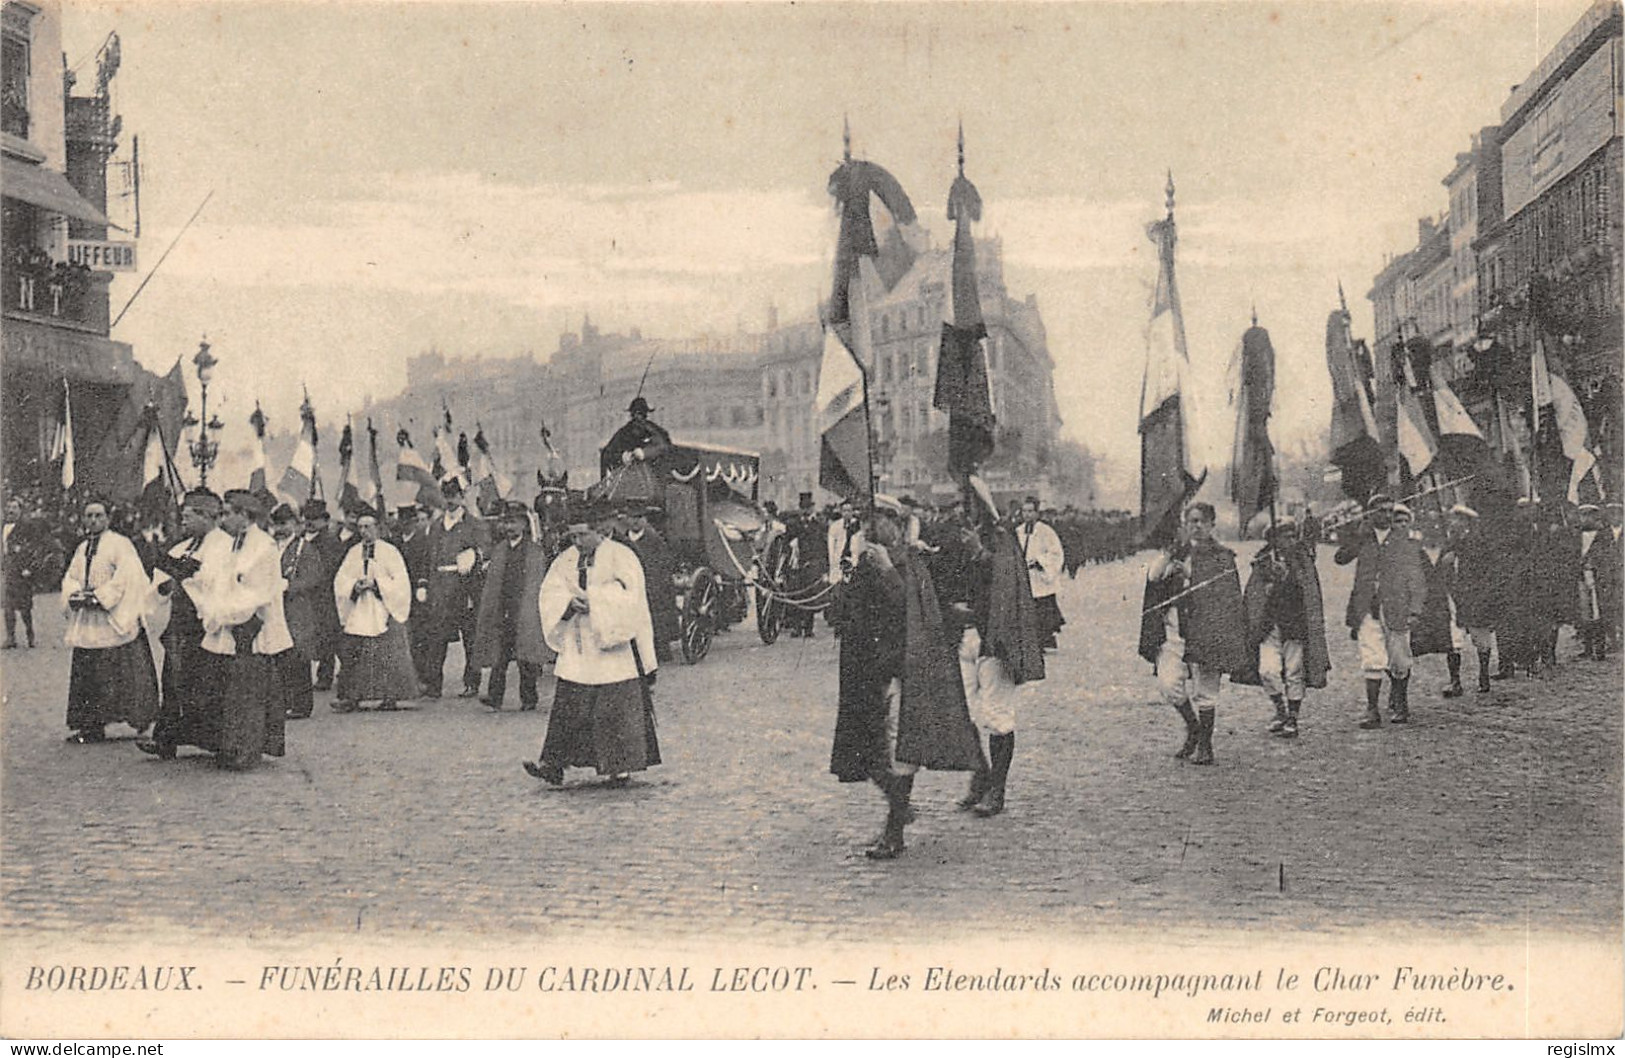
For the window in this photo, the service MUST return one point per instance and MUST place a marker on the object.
(14, 67)
(885, 368)
(772, 387)
(885, 326)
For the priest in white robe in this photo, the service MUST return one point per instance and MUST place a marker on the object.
(240, 606)
(105, 596)
(595, 614)
(374, 596)
(1046, 560)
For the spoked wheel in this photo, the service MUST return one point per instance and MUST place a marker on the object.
(769, 616)
(699, 617)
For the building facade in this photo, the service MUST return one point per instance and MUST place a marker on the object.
(1533, 244)
(54, 147)
(754, 391)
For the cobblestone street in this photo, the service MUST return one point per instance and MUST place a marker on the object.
(1488, 812)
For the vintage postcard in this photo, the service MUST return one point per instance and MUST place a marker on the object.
(541, 520)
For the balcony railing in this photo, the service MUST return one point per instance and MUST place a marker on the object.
(32, 283)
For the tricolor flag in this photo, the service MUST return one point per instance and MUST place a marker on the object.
(447, 463)
(1355, 450)
(410, 467)
(494, 485)
(161, 486)
(1559, 417)
(1415, 434)
(349, 494)
(961, 386)
(62, 439)
(843, 424)
(299, 482)
(553, 468)
(1252, 463)
(1165, 478)
(372, 484)
(1462, 446)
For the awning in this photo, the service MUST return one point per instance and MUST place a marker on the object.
(49, 190)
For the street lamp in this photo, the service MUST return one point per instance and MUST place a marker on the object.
(204, 451)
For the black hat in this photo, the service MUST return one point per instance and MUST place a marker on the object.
(639, 404)
(406, 510)
(515, 510)
(247, 502)
(204, 499)
(589, 512)
(282, 512)
(314, 509)
(451, 487)
(805, 501)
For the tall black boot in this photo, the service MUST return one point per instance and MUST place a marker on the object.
(1373, 696)
(1004, 751)
(1193, 729)
(1204, 738)
(1399, 699)
(1290, 729)
(1483, 671)
(1278, 723)
(899, 788)
(28, 625)
(980, 780)
(1453, 661)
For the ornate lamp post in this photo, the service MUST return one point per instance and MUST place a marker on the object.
(205, 449)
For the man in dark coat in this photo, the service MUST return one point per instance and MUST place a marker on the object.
(1386, 602)
(902, 705)
(510, 625)
(456, 543)
(639, 440)
(1193, 627)
(806, 564)
(1598, 574)
(293, 665)
(30, 558)
(1472, 573)
(320, 551)
(309, 561)
(1286, 624)
(414, 548)
(655, 554)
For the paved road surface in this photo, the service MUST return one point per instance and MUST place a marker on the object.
(1486, 812)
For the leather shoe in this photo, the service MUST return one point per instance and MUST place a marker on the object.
(86, 738)
(469, 692)
(155, 749)
(489, 704)
(527, 707)
(551, 774)
(884, 849)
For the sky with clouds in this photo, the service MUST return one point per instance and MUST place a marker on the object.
(387, 177)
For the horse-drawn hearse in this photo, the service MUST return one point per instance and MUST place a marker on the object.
(707, 495)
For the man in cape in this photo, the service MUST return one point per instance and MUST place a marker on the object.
(595, 614)
(902, 703)
(1472, 575)
(1386, 603)
(1193, 627)
(1286, 624)
(639, 440)
(104, 595)
(373, 595)
(244, 625)
(986, 599)
(509, 629)
(192, 677)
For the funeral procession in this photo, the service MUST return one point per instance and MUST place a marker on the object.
(811, 491)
